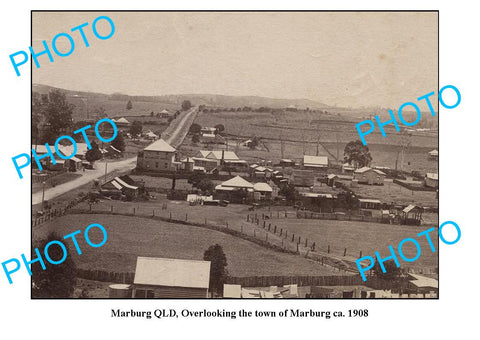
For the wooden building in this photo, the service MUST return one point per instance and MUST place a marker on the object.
(171, 278)
(369, 176)
(158, 156)
(431, 180)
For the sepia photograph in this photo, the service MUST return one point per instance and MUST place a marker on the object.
(234, 154)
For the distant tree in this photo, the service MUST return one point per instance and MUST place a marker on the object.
(347, 200)
(136, 128)
(186, 105)
(101, 112)
(219, 128)
(151, 114)
(57, 113)
(206, 185)
(357, 154)
(194, 179)
(169, 119)
(290, 193)
(56, 281)
(129, 105)
(254, 143)
(195, 138)
(119, 142)
(218, 270)
(195, 128)
(392, 271)
(93, 154)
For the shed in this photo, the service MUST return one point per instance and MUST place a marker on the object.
(423, 283)
(315, 161)
(412, 214)
(368, 203)
(171, 278)
(287, 162)
(433, 155)
(431, 180)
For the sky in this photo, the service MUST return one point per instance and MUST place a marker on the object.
(349, 59)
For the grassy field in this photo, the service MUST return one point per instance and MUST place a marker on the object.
(57, 180)
(355, 236)
(301, 131)
(391, 192)
(365, 237)
(162, 182)
(117, 108)
(129, 237)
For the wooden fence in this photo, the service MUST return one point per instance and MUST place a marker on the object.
(262, 281)
(44, 178)
(105, 276)
(52, 213)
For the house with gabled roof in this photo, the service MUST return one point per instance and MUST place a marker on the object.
(370, 176)
(158, 156)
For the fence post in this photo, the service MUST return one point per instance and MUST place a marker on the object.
(186, 217)
(134, 210)
(297, 248)
(263, 224)
(170, 218)
(328, 251)
(286, 214)
(269, 225)
(306, 242)
(293, 237)
(298, 240)
(286, 231)
(248, 217)
(313, 246)
(205, 220)
(254, 233)
(275, 229)
(345, 252)
(360, 254)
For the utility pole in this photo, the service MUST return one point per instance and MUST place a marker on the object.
(105, 180)
(43, 193)
(282, 145)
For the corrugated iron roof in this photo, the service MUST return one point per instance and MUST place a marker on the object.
(157, 271)
(160, 145)
(315, 160)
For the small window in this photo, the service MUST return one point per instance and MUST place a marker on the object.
(144, 294)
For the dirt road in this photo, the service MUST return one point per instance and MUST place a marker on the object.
(174, 135)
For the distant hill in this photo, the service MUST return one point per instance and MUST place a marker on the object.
(115, 104)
